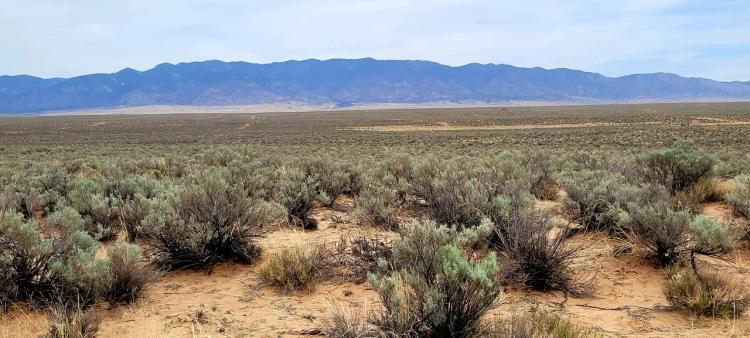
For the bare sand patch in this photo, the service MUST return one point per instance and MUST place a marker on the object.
(443, 126)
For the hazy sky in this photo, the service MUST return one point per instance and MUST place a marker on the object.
(64, 38)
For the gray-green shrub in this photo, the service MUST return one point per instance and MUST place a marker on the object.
(663, 231)
(208, 221)
(59, 270)
(680, 167)
(433, 289)
(739, 197)
(129, 275)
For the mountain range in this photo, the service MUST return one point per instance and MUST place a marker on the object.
(344, 82)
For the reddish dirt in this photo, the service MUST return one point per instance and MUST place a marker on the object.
(230, 301)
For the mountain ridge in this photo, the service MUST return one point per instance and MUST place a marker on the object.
(344, 82)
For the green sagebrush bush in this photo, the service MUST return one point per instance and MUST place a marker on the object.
(463, 192)
(206, 221)
(98, 209)
(332, 179)
(678, 168)
(135, 195)
(739, 196)
(433, 289)
(378, 203)
(710, 236)
(297, 192)
(595, 198)
(671, 235)
(661, 230)
(706, 293)
(61, 270)
(37, 190)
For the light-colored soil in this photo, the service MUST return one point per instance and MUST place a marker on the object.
(449, 127)
(230, 301)
(445, 126)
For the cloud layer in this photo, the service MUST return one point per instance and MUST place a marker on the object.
(694, 38)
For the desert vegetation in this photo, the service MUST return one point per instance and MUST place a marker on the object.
(445, 234)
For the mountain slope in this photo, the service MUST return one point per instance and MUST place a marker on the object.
(343, 82)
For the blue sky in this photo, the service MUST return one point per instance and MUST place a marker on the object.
(66, 38)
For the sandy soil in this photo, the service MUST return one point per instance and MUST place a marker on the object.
(445, 126)
(230, 300)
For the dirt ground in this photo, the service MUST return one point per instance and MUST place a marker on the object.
(230, 301)
(445, 126)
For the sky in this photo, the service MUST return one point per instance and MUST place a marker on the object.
(52, 38)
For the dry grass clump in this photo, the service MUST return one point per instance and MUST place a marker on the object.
(536, 324)
(73, 323)
(539, 258)
(292, 269)
(706, 293)
(343, 324)
(130, 276)
(349, 259)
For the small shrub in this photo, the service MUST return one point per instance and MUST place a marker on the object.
(706, 293)
(292, 269)
(353, 258)
(596, 198)
(537, 324)
(74, 323)
(540, 259)
(710, 189)
(710, 237)
(65, 219)
(663, 231)
(377, 205)
(433, 289)
(62, 270)
(297, 192)
(343, 324)
(465, 193)
(679, 167)
(739, 196)
(332, 179)
(132, 213)
(543, 185)
(99, 211)
(207, 222)
(129, 275)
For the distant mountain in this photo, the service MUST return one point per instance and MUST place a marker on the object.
(345, 82)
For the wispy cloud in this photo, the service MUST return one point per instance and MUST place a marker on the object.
(695, 38)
